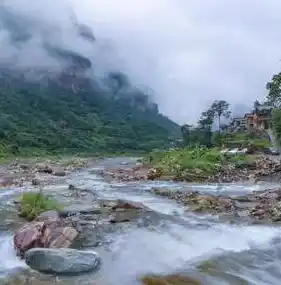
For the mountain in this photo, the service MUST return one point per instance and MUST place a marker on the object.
(59, 104)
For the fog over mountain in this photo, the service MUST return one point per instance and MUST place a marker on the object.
(46, 40)
(188, 52)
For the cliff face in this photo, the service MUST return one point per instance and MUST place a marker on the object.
(51, 99)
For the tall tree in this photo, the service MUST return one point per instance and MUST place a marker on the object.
(185, 131)
(220, 109)
(207, 119)
(205, 124)
(274, 91)
(195, 135)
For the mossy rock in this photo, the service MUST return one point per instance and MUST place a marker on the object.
(169, 280)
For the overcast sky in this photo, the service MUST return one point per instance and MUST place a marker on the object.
(190, 52)
(193, 51)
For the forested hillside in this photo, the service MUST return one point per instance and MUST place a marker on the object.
(56, 118)
(69, 110)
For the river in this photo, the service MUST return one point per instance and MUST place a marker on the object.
(205, 248)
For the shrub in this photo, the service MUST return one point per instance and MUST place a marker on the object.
(276, 123)
(177, 161)
(32, 204)
(168, 280)
(199, 161)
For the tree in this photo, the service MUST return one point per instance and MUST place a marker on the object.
(207, 119)
(274, 91)
(218, 110)
(195, 135)
(205, 124)
(185, 131)
(276, 124)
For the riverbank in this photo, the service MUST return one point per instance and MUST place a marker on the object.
(255, 207)
(38, 171)
(131, 227)
(41, 168)
(199, 166)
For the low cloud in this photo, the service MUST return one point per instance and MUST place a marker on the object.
(189, 52)
(193, 52)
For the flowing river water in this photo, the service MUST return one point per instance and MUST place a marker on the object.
(205, 248)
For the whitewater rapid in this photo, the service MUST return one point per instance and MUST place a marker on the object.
(178, 242)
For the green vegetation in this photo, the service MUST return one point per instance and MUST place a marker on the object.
(168, 280)
(33, 204)
(274, 91)
(189, 163)
(276, 124)
(218, 110)
(202, 133)
(274, 99)
(205, 134)
(244, 139)
(39, 120)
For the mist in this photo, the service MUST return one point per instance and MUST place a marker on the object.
(188, 52)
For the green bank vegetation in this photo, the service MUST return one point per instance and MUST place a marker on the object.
(32, 204)
(197, 161)
(274, 99)
(245, 140)
(203, 134)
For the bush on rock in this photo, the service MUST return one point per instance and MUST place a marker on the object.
(32, 204)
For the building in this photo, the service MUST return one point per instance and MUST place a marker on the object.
(237, 124)
(259, 118)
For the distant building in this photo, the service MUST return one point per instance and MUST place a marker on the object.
(237, 124)
(259, 118)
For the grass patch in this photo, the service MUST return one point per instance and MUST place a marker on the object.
(198, 161)
(169, 280)
(242, 140)
(32, 204)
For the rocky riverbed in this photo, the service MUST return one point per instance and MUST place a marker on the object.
(142, 232)
(263, 168)
(258, 206)
(40, 171)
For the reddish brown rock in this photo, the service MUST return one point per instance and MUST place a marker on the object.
(57, 237)
(258, 213)
(28, 236)
(7, 181)
(128, 205)
(47, 234)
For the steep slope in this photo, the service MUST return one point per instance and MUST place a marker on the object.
(56, 118)
(69, 110)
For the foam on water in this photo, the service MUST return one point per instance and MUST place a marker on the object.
(8, 193)
(165, 250)
(9, 262)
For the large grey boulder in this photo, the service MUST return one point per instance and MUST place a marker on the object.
(61, 261)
